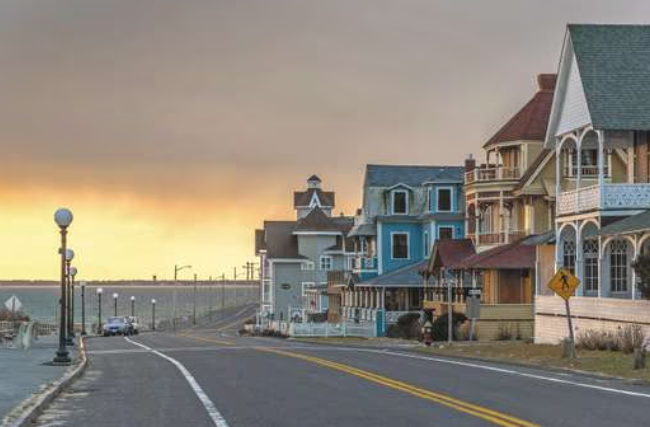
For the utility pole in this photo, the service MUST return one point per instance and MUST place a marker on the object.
(194, 302)
(223, 293)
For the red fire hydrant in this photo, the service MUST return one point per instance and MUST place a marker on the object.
(427, 334)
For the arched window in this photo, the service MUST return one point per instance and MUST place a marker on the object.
(590, 249)
(618, 265)
(569, 255)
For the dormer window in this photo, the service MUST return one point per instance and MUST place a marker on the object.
(399, 202)
(444, 200)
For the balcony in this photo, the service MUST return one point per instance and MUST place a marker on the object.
(604, 197)
(364, 263)
(497, 238)
(496, 173)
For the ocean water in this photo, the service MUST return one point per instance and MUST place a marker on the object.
(42, 302)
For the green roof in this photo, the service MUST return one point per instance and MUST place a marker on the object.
(614, 66)
(632, 224)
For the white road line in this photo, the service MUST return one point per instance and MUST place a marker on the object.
(214, 414)
(510, 372)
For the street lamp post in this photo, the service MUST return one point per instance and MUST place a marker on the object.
(63, 218)
(153, 314)
(176, 270)
(115, 295)
(194, 302)
(99, 310)
(132, 306)
(83, 308)
(72, 272)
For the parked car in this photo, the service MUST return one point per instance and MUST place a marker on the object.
(117, 326)
(134, 325)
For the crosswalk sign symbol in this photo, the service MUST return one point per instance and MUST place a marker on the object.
(564, 283)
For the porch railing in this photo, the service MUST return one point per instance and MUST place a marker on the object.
(492, 174)
(604, 197)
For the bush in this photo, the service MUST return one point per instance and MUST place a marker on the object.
(625, 339)
(317, 317)
(505, 333)
(407, 327)
(440, 329)
(642, 268)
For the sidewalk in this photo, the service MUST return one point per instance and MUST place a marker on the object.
(24, 373)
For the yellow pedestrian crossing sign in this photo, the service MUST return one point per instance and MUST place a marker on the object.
(564, 283)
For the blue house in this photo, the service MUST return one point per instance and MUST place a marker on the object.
(406, 209)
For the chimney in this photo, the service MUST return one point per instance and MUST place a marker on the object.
(470, 163)
(546, 82)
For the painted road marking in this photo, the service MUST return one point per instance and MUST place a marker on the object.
(209, 406)
(490, 415)
(511, 372)
(210, 340)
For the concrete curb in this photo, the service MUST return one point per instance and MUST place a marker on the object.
(35, 408)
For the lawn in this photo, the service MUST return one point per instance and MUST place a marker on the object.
(601, 362)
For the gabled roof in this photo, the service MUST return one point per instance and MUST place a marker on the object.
(303, 198)
(279, 240)
(414, 176)
(529, 124)
(614, 66)
(314, 178)
(534, 167)
(446, 253)
(632, 224)
(317, 220)
(363, 230)
(408, 276)
(511, 256)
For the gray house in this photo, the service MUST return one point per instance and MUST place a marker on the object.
(296, 256)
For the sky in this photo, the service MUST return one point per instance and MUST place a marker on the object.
(172, 129)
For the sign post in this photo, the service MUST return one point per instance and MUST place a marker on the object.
(564, 283)
(473, 309)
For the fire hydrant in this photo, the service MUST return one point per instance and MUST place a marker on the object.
(427, 333)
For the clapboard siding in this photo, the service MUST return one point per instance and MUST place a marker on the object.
(602, 314)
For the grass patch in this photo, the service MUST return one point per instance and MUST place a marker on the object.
(602, 362)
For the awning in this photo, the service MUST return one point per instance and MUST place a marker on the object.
(639, 223)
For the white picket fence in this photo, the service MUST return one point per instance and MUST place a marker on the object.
(303, 330)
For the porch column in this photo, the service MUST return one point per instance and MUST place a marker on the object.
(579, 259)
(578, 176)
(601, 254)
(601, 158)
(501, 217)
(635, 254)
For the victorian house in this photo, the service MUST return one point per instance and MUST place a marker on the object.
(406, 209)
(297, 255)
(509, 199)
(599, 131)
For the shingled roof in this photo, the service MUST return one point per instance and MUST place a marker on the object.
(408, 276)
(512, 256)
(280, 241)
(390, 175)
(447, 253)
(303, 198)
(632, 224)
(317, 220)
(529, 124)
(614, 66)
(260, 243)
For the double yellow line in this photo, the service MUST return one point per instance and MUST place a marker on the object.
(492, 416)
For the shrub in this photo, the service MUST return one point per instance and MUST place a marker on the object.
(625, 339)
(631, 337)
(407, 327)
(642, 267)
(440, 329)
(504, 333)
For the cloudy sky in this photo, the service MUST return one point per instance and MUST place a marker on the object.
(173, 128)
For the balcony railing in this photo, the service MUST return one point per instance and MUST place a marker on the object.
(605, 197)
(497, 238)
(364, 263)
(492, 174)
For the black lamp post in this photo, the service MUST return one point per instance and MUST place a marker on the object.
(72, 272)
(115, 295)
(153, 314)
(99, 310)
(83, 309)
(132, 306)
(63, 218)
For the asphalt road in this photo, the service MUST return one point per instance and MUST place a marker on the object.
(211, 377)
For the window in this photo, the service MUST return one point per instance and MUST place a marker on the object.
(363, 245)
(326, 263)
(589, 160)
(307, 266)
(569, 256)
(445, 233)
(427, 244)
(306, 286)
(400, 202)
(591, 265)
(400, 246)
(618, 265)
(444, 200)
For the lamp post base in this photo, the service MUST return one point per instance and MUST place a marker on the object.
(62, 359)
